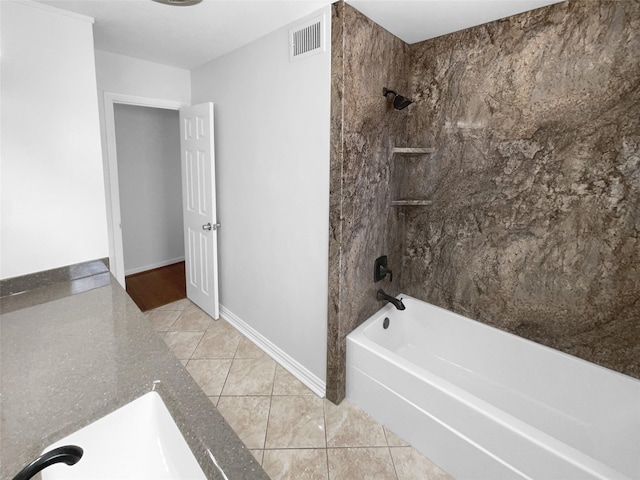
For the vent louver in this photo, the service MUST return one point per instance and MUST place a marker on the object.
(306, 39)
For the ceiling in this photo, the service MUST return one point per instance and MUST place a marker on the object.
(188, 37)
(417, 20)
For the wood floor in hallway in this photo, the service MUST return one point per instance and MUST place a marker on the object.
(157, 287)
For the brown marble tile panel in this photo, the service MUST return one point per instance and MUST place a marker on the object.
(536, 180)
(335, 351)
(364, 130)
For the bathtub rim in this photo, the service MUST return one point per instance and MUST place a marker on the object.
(540, 438)
(359, 331)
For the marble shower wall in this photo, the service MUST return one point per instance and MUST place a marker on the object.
(535, 183)
(364, 129)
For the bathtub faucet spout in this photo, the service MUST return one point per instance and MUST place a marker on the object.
(380, 295)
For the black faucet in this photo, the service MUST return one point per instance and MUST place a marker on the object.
(69, 454)
(380, 295)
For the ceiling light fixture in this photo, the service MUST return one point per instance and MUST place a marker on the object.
(179, 3)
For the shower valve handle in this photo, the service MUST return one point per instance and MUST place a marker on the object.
(386, 271)
(380, 269)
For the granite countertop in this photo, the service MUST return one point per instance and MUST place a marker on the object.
(67, 362)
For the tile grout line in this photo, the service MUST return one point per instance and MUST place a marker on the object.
(165, 333)
(224, 384)
(326, 456)
(176, 320)
(393, 463)
(266, 430)
(326, 438)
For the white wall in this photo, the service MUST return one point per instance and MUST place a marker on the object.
(272, 122)
(132, 76)
(148, 145)
(53, 201)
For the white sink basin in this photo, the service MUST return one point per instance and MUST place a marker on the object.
(138, 441)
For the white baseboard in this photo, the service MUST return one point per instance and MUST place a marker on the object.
(164, 263)
(315, 384)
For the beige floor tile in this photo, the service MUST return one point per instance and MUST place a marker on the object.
(190, 306)
(192, 321)
(298, 464)
(394, 440)
(296, 422)
(278, 418)
(222, 325)
(410, 465)
(348, 426)
(250, 376)
(258, 454)
(183, 344)
(287, 384)
(178, 305)
(248, 349)
(360, 464)
(210, 374)
(248, 417)
(219, 342)
(161, 320)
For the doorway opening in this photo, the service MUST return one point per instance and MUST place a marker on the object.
(146, 199)
(148, 149)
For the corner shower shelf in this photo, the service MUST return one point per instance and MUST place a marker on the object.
(410, 203)
(413, 151)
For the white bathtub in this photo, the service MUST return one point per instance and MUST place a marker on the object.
(484, 404)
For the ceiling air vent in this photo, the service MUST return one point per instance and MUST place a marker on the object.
(307, 39)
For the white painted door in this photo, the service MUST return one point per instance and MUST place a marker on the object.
(199, 206)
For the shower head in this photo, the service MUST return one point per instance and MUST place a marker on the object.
(399, 102)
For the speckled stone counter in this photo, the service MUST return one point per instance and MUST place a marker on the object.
(67, 362)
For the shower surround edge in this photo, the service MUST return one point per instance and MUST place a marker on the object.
(364, 130)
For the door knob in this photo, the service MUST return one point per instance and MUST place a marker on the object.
(208, 226)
